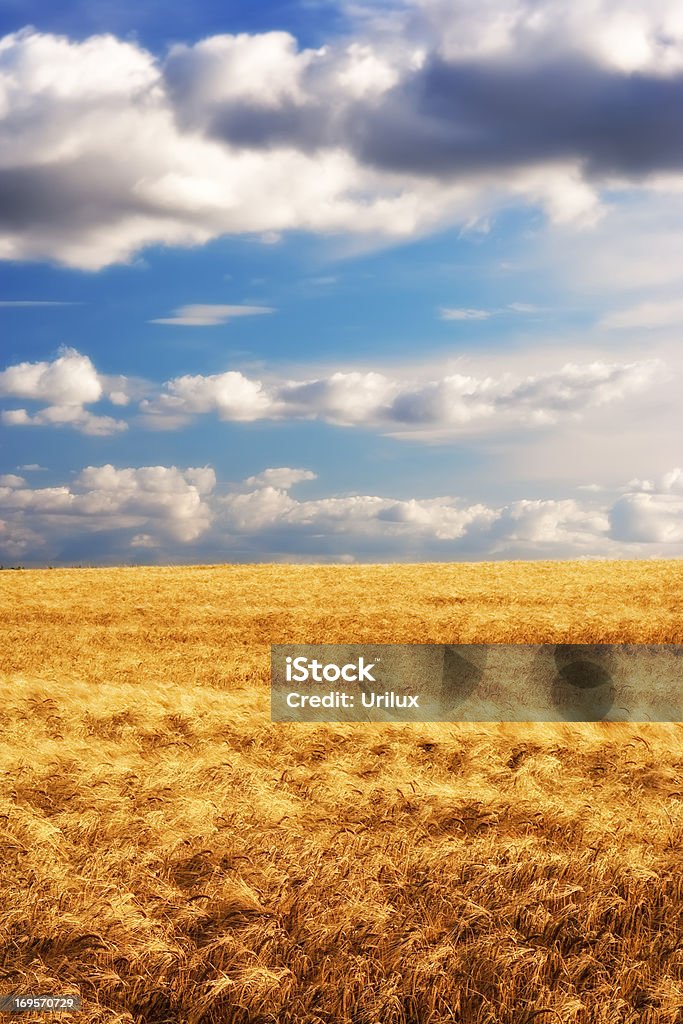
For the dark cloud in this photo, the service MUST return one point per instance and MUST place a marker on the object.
(458, 119)
(308, 127)
(67, 195)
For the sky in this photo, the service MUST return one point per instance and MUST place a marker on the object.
(316, 281)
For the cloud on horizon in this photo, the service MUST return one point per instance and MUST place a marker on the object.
(135, 514)
(169, 502)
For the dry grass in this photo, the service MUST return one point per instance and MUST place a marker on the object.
(176, 857)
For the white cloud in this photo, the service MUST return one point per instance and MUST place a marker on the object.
(162, 502)
(672, 482)
(450, 527)
(345, 398)
(88, 198)
(172, 499)
(366, 515)
(203, 479)
(70, 379)
(68, 383)
(256, 510)
(650, 512)
(623, 34)
(648, 518)
(434, 403)
(265, 70)
(458, 313)
(445, 524)
(232, 395)
(210, 315)
(157, 512)
(455, 313)
(452, 405)
(552, 522)
(74, 416)
(281, 477)
(392, 130)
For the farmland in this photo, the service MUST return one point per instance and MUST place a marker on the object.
(172, 855)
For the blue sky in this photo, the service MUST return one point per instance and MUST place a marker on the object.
(334, 282)
(156, 24)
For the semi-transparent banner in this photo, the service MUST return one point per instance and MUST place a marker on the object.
(476, 682)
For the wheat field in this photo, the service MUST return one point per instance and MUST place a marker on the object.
(174, 856)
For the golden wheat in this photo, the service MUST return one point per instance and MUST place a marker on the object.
(174, 856)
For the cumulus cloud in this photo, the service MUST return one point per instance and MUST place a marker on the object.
(147, 512)
(232, 395)
(210, 316)
(170, 498)
(667, 483)
(648, 518)
(623, 35)
(69, 383)
(454, 404)
(74, 416)
(650, 512)
(451, 111)
(161, 502)
(432, 524)
(418, 404)
(264, 512)
(672, 482)
(70, 379)
(16, 540)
